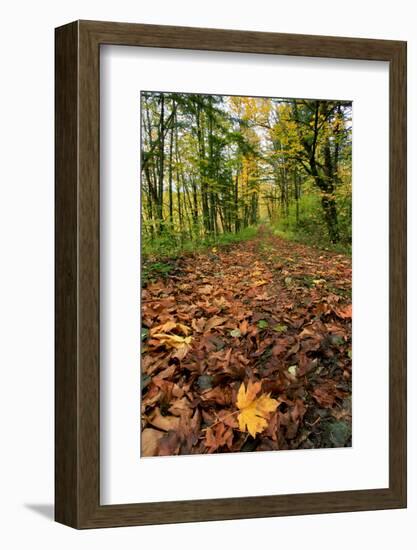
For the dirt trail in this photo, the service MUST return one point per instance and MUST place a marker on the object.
(265, 310)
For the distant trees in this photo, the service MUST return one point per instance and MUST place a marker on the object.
(216, 164)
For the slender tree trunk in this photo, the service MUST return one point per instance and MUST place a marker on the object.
(171, 147)
(236, 204)
(178, 184)
(161, 164)
(297, 196)
(195, 204)
(203, 171)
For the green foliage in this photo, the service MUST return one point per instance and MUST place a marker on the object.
(152, 270)
(213, 166)
(311, 228)
(280, 328)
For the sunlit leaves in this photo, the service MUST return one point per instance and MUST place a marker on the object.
(164, 335)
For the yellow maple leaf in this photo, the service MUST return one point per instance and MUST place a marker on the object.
(172, 340)
(254, 411)
(180, 344)
(169, 326)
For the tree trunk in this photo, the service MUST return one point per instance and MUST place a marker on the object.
(236, 204)
(330, 216)
(171, 148)
(161, 164)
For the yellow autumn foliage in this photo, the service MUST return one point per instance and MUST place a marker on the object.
(254, 411)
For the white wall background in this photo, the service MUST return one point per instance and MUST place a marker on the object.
(26, 272)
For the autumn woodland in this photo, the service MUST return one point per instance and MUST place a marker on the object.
(246, 339)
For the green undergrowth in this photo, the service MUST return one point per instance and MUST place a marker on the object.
(167, 246)
(308, 226)
(311, 240)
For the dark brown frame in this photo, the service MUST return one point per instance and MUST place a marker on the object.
(77, 274)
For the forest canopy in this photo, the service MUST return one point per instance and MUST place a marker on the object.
(215, 165)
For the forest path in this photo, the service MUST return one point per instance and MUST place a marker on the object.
(266, 310)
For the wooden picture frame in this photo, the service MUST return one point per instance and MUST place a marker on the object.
(77, 403)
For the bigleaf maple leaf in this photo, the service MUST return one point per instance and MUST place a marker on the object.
(254, 411)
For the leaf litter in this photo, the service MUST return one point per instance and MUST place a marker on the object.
(255, 357)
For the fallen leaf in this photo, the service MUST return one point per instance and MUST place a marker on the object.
(198, 324)
(164, 422)
(169, 444)
(217, 437)
(214, 322)
(149, 441)
(344, 313)
(180, 406)
(221, 396)
(166, 373)
(206, 289)
(298, 411)
(170, 326)
(254, 412)
(181, 351)
(243, 327)
(165, 327)
(279, 348)
(294, 349)
(179, 343)
(260, 283)
(263, 297)
(172, 340)
(293, 370)
(323, 397)
(307, 333)
(228, 418)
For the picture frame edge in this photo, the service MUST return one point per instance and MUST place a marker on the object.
(77, 379)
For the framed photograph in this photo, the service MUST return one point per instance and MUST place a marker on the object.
(230, 274)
